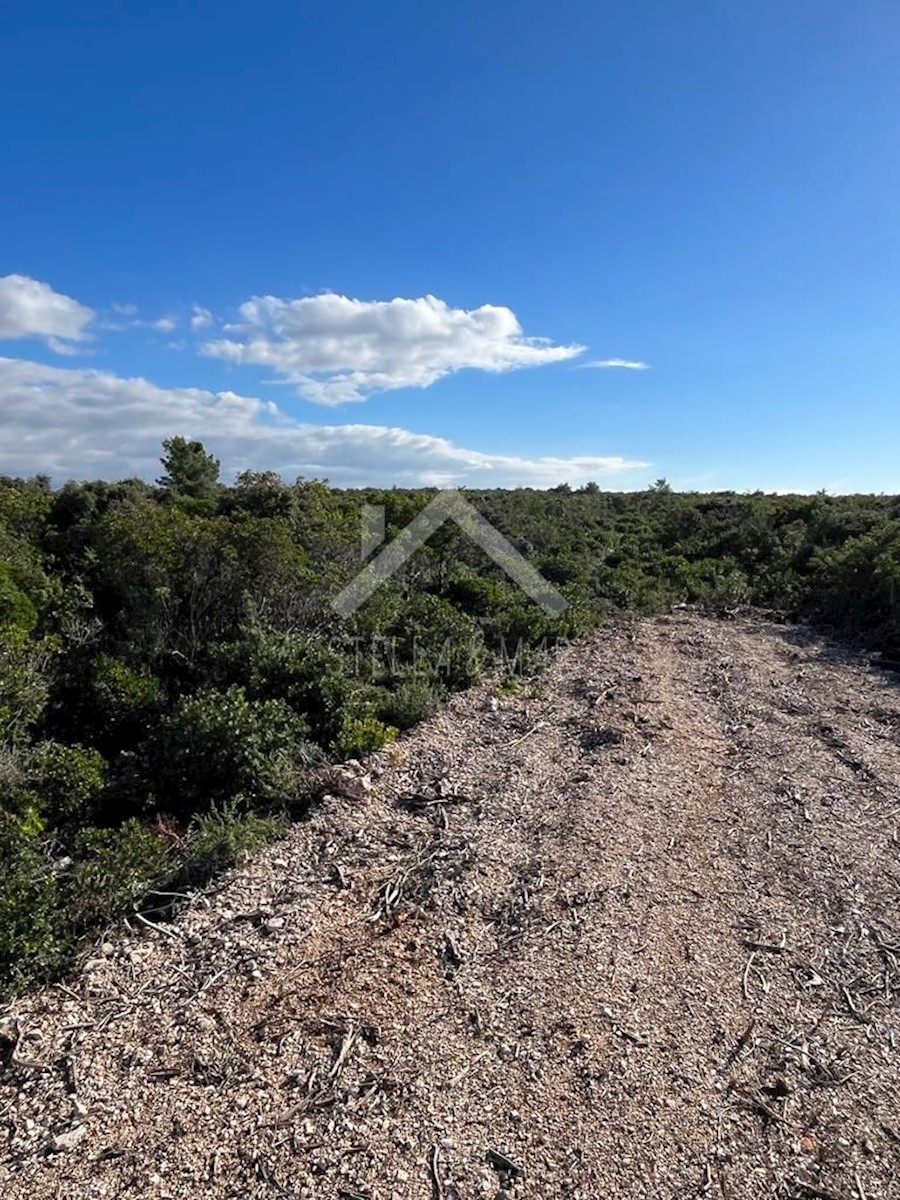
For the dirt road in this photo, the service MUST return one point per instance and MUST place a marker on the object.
(633, 932)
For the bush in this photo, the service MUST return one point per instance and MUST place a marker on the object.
(439, 642)
(222, 837)
(475, 594)
(28, 894)
(112, 870)
(67, 779)
(411, 701)
(16, 610)
(23, 682)
(857, 588)
(362, 735)
(305, 674)
(215, 746)
(124, 701)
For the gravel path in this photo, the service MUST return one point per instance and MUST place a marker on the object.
(630, 933)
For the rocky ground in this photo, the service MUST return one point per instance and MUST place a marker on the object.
(632, 932)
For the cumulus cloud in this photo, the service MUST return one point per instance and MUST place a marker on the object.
(336, 349)
(626, 364)
(76, 423)
(201, 317)
(29, 308)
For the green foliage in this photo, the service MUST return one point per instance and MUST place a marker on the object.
(410, 701)
(16, 610)
(24, 681)
(261, 494)
(477, 595)
(68, 780)
(215, 746)
(28, 900)
(189, 470)
(362, 735)
(112, 870)
(122, 701)
(857, 587)
(439, 640)
(715, 583)
(222, 836)
(303, 672)
(170, 662)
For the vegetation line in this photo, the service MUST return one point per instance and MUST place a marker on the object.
(171, 668)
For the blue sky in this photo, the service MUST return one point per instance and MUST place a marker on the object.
(708, 188)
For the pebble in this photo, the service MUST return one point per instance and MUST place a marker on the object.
(70, 1139)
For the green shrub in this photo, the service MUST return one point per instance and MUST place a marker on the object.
(215, 746)
(411, 701)
(715, 583)
(304, 673)
(111, 871)
(436, 641)
(16, 610)
(473, 593)
(223, 836)
(857, 588)
(362, 735)
(24, 685)
(67, 779)
(124, 700)
(28, 894)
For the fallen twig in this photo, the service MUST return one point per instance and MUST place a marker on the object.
(769, 947)
(169, 933)
(347, 1044)
(437, 1190)
(527, 734)
(746, 976)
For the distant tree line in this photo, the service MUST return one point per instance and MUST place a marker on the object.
(171, 668)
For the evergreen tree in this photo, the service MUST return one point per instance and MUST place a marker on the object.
(189, 470)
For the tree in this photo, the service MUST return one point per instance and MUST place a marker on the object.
(190, 471)
(261, 494)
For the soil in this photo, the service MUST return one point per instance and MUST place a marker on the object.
(629, 931)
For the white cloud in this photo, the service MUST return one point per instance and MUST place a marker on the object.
(336, 349)
(132, 321)
(626, 364)
(76, 423)
(29, 308)
(202, 318)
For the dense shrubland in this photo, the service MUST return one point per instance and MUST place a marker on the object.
(171, 670)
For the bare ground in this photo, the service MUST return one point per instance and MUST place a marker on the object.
(633, 935)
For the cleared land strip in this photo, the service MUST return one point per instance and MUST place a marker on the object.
(634, 932)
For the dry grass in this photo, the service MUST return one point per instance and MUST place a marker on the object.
(636, 938)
